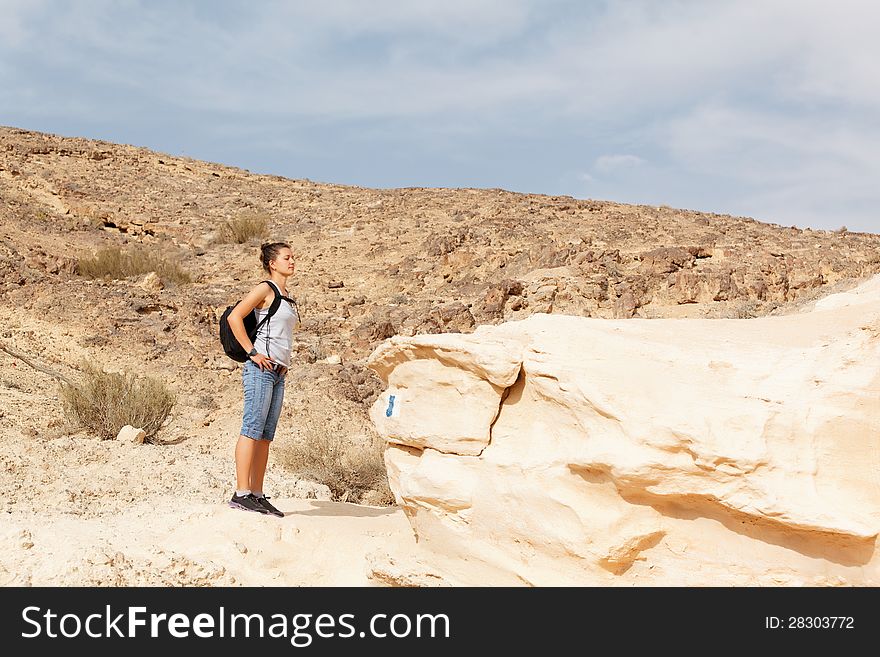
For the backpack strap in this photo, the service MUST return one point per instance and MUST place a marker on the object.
(273, 308)
(276, 304)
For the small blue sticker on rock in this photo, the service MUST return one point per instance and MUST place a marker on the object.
(390, 409)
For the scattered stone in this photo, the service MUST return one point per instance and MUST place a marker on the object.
(151, 282)
(130, 434)
(493, 301)
(25, 540)
(625, 305)
(452, 317)
(665, 260)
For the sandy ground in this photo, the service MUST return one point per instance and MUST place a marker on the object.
(174, 542)
(79, 511)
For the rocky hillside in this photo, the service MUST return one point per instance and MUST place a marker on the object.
(371, 263)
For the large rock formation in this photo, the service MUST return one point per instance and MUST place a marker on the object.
(566, 450)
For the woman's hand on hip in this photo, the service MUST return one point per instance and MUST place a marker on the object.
(263, 362)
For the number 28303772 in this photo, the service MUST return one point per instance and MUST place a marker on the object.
(809, 622)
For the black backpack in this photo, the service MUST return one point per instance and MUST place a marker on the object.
(230, 343)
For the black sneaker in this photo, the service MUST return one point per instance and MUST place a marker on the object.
(268, 507)
(247, 502)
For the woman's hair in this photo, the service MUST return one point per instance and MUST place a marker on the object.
(269, 251)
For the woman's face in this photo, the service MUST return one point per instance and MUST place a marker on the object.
(283, 262)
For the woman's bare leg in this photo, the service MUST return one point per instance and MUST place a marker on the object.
(245, 450)
(258, 465)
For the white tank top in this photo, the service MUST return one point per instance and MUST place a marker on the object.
(275, 337)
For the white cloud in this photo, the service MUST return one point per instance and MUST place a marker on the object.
(464, 21)
(343, 59)
(646, 55)
(391, 58)
(608, 163)
(718, 137)
(14, 15)
(798, 168)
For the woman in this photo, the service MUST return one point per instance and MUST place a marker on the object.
(263, 375)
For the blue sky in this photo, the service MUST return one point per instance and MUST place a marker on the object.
(761, 108)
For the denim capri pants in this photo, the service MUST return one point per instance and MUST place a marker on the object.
(263, 394)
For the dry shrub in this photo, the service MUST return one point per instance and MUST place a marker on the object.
(114, 262)
(104, 402)
(245, 227)
(352, 467)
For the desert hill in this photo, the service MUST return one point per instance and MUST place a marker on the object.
(371, 264)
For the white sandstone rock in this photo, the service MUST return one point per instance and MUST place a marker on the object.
(465, 379)
(567, 450)
(130, 434)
